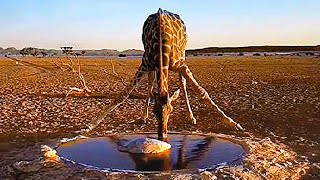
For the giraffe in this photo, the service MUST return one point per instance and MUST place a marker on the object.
(164, 38)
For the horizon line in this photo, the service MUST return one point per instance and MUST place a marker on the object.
(265, 45)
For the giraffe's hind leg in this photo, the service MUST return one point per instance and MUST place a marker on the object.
(185, 71)
(183, 84)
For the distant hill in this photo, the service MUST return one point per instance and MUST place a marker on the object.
(254, 49)
(101, 52)
(134, 52)
(89, 52)
(8, 50)
(112, 52)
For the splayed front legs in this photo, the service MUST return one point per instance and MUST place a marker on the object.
(163, 103)
(186, 73)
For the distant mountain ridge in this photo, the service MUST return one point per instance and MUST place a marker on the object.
(135, 52)
(254, 49)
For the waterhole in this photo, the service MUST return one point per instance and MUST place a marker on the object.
(188, 151)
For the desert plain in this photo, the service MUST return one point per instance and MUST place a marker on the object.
(275, 98)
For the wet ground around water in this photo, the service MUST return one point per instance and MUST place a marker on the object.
(275, 97)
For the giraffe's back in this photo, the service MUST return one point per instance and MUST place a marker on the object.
(174, 39)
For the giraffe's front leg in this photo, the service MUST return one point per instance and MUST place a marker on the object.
(145, 113)
(151, 83)
(185, 71)
(122, 97)
(183, 84)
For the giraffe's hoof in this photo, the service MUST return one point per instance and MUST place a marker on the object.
(144, 119)
(239, 127)
(194, 120)
(232, 124)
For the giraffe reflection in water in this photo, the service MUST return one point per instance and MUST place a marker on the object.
(184, 151)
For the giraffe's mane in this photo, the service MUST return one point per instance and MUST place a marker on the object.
(166, 12)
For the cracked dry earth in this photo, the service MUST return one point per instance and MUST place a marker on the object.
(276, 99)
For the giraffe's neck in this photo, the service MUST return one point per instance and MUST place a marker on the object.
(163, 79)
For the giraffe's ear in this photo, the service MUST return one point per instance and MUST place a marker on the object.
(175, 95)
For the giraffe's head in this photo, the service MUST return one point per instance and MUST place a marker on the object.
(163, 108)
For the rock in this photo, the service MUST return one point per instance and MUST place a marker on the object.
(49, 154)
(27, 166)
(145, 146)
(183, 177)
(206, 175)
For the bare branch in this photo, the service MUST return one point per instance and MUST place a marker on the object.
(63, 69)
(120, 63)
(85, 90)
(114, 74)
(71, 64)
(74, 90)
(68, 66)
(112, 65)
(38, 67)
(82, 80)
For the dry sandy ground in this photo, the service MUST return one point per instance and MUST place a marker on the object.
(272, 97)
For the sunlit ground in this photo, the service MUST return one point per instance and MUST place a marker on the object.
(276, 99)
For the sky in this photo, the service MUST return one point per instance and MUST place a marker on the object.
(117, 24)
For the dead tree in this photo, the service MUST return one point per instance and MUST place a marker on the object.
(65, 67)
(66, 50)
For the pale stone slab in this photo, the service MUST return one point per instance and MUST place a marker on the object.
(145, 146)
